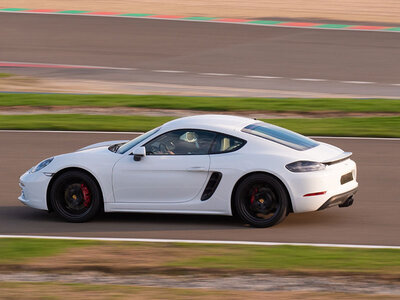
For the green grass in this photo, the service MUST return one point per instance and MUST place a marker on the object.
(16, 250)
(364, 127)
(220, 257)
(295, 258)
(81, 122)
(5, 75)
(204, 103)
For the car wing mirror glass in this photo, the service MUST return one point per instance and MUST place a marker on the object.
(139, 153)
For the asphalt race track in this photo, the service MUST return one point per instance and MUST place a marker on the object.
(362, 64)
(373, 219)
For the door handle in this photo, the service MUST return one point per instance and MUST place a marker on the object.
(196, 169)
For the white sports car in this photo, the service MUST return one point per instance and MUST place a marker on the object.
(209, 164)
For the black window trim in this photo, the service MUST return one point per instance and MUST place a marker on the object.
(209, 149)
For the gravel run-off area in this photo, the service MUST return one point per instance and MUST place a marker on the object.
(256, 282)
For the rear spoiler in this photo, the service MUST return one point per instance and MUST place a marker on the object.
(337, 159)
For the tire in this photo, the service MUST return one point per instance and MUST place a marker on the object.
(261, 201)
(75, 196)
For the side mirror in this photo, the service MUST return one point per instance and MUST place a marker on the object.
(138, 153)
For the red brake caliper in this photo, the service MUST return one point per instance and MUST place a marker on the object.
(253, 195)
(86, 195)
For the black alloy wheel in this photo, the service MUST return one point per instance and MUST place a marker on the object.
(261, 200)
(75, 196)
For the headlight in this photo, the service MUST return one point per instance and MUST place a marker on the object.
(305, 166)
(41, 165)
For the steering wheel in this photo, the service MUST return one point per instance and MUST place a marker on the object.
(154, 149)
(167, 147)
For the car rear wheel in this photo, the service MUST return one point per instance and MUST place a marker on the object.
(75, 196)
(261, 200)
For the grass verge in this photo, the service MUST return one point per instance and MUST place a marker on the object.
(81, 122)
(363, 127)
(5, 75)
(12, 250)
(171, 258)
(204, 103)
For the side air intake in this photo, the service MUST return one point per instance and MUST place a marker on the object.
(211, 186)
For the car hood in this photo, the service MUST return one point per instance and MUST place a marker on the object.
(102, 144)
(96, 159)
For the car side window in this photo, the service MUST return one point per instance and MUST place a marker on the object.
(226, 143)
(181, 142)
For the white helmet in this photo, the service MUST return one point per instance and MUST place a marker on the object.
(190, 137)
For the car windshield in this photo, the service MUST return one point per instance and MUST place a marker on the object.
(137, 140)
(280, 135)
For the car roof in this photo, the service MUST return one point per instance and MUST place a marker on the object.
(210, 122)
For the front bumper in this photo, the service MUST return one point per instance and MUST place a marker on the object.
(34, 189)
(339, 200)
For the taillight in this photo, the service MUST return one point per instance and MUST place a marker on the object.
(305, 166)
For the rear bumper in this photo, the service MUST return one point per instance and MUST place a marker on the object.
(340, 199)
(328, 181)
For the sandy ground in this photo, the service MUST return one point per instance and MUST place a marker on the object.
(58, 85)
(67, 291)
(383, 11)
(239, 284)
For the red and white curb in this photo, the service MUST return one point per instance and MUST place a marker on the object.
(254, 22)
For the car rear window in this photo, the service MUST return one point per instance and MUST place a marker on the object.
(280, 135)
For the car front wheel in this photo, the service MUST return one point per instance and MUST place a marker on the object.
(75, 196)
(261, 200)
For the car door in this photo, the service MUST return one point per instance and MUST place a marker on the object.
(175, 169)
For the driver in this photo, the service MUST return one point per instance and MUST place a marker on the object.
(187, 143)
(190, 137)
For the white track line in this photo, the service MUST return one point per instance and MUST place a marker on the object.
(182, 72)
(198, 21)
(355, 138)
(69, 131)
(66, 65)
(200, 241)
(215, 74)
(168, 71)
(137, 132)
(262, 77)
(309, 79)
(358, 82)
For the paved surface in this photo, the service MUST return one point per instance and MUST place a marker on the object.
(373, 219)
(363, 64)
